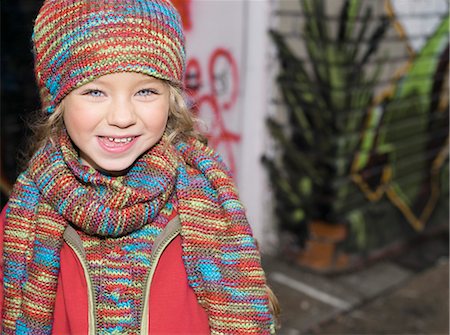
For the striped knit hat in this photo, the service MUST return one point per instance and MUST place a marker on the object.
(77, 41)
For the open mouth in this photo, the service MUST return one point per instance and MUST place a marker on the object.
(116, 143)
(119, 140)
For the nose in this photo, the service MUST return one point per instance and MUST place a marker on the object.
(122, 113)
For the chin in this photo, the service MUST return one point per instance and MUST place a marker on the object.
(115, 170)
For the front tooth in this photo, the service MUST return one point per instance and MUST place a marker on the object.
(120, 140)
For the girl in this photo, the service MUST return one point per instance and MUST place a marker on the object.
(124, 221)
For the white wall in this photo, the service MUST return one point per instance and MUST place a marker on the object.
(257, 93)
(419, 18)
(227, 49)
(214, 64)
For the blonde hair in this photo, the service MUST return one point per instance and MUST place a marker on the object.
(181, 124)
(274, 306)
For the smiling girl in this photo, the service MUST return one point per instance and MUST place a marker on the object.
(116, 118)
(124, 221)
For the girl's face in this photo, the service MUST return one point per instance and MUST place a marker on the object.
(116, 118)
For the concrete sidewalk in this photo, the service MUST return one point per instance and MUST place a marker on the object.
(418, 306)
(403, 295)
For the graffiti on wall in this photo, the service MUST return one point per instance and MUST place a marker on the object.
(373, 163)
(213, 87)
(218, 98)
(414, 107)
(184, 8)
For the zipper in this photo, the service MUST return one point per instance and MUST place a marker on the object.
(171, 231)
(73, 240)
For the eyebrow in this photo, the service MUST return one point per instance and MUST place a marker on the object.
(149, 80)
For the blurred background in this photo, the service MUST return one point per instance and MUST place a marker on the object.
(334, 118)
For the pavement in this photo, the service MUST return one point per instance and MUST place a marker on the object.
(404, 294)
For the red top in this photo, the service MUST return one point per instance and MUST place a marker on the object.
(173, 306)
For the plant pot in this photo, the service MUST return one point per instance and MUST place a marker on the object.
(321, 252)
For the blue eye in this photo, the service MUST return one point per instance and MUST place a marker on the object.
(94, 93)
(146, 92)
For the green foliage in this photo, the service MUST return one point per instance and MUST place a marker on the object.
(326, 98)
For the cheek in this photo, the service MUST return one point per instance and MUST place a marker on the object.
(157, 121)
(78, 121)
(72, 124)
(163, 121)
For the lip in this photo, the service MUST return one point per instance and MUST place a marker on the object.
(116, 147)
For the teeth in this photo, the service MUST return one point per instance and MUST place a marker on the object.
(120, 140)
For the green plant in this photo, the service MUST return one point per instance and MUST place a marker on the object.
(326, 98)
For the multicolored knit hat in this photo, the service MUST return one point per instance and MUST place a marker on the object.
(77, 41)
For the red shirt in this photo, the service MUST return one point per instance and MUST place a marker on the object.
(173, 306)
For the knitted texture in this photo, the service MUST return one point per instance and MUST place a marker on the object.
(76, 41)
(119, 268)
(219, 252)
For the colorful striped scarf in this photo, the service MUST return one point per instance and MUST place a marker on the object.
(118, 269)
(219, 252)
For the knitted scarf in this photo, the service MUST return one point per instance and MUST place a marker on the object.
(219, 252)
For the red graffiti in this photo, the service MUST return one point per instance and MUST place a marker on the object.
(220, 97)
(184, 8)
(221, 66)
